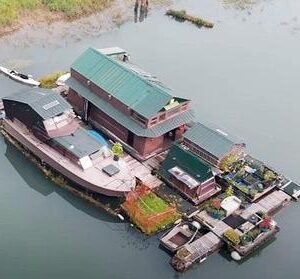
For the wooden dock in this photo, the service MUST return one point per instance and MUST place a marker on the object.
(274, 201)
(155, 161)
(196, 251)
(140, 171)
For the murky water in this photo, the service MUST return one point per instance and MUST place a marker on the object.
(242, 75)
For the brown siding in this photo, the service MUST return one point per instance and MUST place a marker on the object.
(76, 101)
(107, 122)
(147, 146)
(101, 92)
(205, 155)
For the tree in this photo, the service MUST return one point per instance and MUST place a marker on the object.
(229, 191)
(117, 150)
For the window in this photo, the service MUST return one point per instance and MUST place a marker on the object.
(138, 117)
(162, 117)
(153, 121)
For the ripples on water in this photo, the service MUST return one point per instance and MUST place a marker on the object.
(242, 75)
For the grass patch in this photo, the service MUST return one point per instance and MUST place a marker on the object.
(153, 204)
(183, 16)
(10, 10)
(75, 8)
(148, 211)
(48, 81)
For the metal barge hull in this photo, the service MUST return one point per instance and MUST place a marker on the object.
(113, 188)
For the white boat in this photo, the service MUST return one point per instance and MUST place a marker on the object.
(61, 81)
(25, 79)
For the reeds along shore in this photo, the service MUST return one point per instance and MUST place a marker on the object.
(183, 16)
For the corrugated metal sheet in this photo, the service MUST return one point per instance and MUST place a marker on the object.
(210, 140)
(45, 102)
(126, 120)
(188, 162)
(145, 97)
(80, 143)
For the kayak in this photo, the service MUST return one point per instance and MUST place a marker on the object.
(25, 79)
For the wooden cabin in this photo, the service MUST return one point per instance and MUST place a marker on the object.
(50, 118)
(190, 175)
(211, 145)
(128, 104)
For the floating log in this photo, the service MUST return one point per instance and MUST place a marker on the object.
(181, 15)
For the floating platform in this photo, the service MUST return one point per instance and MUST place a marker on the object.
(197, 251)
(292, 189)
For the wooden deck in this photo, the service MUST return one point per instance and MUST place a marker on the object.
(155, 161)
(93, 178)
(142, 172)
(274, 201)
(218, 227)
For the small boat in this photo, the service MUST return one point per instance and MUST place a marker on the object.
(22, 78)
(183, 233)
(61, 81)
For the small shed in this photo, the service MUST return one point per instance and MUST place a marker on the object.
(189, 174)
(212, 145)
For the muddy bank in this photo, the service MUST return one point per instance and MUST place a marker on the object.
(38, 30)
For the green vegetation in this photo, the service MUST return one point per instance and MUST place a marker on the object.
(117, 150)
(269, 175)
(229, 191)
(213, 207)
(148, 211)
(232, 236)
(48, 81)
(75, 8)
(151, 203)
(183, 16)
(11, 10)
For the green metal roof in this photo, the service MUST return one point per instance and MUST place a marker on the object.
(133, 89)
(126, 120)
(45, 102)
(188, 162)
(215, 142)
(80, 143)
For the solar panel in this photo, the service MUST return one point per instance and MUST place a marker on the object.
(51, 105)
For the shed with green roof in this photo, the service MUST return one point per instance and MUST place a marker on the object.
(188, 173)
(212, 145)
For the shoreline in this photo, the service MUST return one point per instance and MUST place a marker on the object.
(30, 25)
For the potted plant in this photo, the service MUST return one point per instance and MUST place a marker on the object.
(117, 150)
(265, 224)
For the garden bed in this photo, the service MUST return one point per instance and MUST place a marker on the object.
(149, 212)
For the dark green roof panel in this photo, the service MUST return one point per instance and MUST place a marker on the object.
(80, 143)
(132, 89)
(188, 162)
(44, 102)
(213, 141)
(125, 120)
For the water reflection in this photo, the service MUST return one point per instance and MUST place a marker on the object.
(140, 10)
(37, 181)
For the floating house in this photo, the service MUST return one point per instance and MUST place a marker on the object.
(44, 123)
(209, 144)
(190, 175)
(44, 112)
(128, 104)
